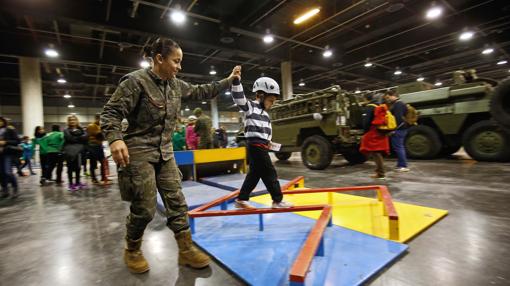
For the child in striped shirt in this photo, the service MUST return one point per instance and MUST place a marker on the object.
(258, 132)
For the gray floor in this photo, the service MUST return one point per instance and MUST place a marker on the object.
(51, 237)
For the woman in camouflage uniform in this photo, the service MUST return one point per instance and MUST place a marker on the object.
(150, 100)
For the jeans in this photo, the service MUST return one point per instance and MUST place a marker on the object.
(261, 167)
(6, 175)
(397, 144)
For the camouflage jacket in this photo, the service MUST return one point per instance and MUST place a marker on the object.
(151, 106)
(203, 128)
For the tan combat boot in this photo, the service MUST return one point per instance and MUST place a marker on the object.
(133, 257)
(188, 253)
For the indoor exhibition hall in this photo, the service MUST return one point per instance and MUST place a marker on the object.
(264, 143)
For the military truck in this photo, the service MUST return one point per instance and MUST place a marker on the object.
(470, 113)
(319, 124)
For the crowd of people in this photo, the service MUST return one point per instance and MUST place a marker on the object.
(73, 146)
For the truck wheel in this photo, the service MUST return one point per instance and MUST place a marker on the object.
(451, 144)
(283, 156)
(500, 104)
(422, 142)
(354, 157)
(316, 152)
(486, 141)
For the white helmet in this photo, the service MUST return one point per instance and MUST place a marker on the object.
(267, 85)
(192, 117)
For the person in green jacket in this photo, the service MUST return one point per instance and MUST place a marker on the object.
(41, 141)
(178, 139)
(55, 157)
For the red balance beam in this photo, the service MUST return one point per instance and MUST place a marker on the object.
(257, 211)
(304, 260)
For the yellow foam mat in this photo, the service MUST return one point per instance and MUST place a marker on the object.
(366, 214)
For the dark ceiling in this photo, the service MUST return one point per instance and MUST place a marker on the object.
(100, 40)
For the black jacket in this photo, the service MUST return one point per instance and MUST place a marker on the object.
(12, 141)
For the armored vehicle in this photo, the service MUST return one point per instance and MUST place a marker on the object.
(319, 124)
(471, 113)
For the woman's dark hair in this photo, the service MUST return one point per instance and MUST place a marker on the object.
(160, 46)
(4, 121)
(36, 132)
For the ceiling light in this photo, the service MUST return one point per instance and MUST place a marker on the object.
(52, 53)
(268, 39)
(357, 91)
(212, 71)
(186, 109)
(438, 83)
(420, 78)
(61, 80)
(228, 92)
(368, 64)
(71, 106)
(301, 83)
(466, 36)
(397, 72)
(502, 62)
(178, 17)
(306, 16)
(487, 51)
(434, 13)
(145, 64)
(67, 96)
(327, 52)
(204, 102)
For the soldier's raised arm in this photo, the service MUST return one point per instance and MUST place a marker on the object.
(207, 91)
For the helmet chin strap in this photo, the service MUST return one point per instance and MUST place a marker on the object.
(262, 100)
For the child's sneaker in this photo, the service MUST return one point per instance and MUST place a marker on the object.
(282, 205)
(377, 177)
(72, 188)
(402, 169)
(243, 205)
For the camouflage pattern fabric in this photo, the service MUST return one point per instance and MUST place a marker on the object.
(203, 129)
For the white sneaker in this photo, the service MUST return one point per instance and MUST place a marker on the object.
(402, 169)
(282, 205)
(243, 205)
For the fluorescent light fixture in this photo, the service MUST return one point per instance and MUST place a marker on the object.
(466, 36)
(357, 91)
(52, 53)
(420, 78)
(438, 83)
(397, 72)
(145, 64)
(503, 62)
(487, 51)
(268, 39)
(186, 109)
(327, 53)
(204, 102)
(213, 72)
(301, 84)
(368, 64)
(71, 106)
(306, 16)
(61, 80)
(228, 92)
(178, 17)
(67, 96)
(434, 13)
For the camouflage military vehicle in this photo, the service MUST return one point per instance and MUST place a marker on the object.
(471, 113)
(319, 124)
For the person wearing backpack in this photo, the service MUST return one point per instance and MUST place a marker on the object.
(375, 142)
(399, 110)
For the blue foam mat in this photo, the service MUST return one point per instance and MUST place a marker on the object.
(265, 257)
(196, 194)
(233, 182)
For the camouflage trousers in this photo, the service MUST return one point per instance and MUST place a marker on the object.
(139, 182)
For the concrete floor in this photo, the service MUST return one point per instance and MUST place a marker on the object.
(52, 237)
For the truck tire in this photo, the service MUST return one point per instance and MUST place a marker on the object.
(451, 144)
(283, 156)
(422, 142)
(316, 152)
(354, 157)
(487, 141)
(500, 104)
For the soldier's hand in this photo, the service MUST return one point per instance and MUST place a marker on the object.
(120, 153)
(236, 73)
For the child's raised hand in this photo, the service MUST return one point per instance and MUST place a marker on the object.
(236, 73)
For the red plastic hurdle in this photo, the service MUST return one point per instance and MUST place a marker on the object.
(314, 244)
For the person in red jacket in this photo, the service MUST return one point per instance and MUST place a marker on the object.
(191, 136)
(374, 143)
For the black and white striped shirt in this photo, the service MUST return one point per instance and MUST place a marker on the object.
(257, 124)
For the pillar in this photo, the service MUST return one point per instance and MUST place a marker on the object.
(286, 88)
(214, 113)
(31, 94)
